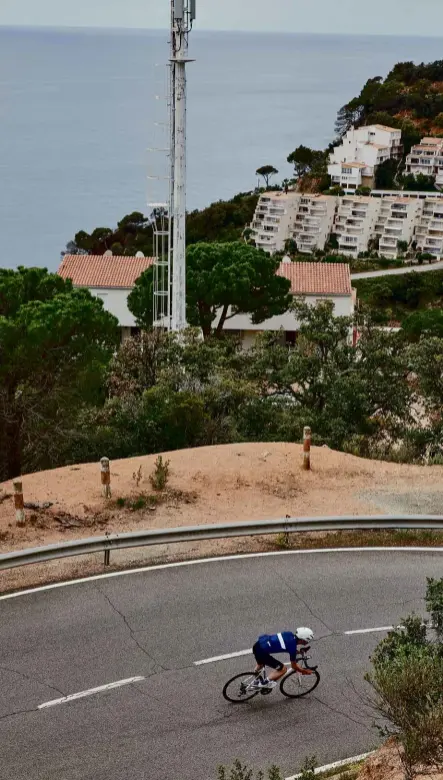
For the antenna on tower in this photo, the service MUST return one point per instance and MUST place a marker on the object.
(182, 16)
(170, 262)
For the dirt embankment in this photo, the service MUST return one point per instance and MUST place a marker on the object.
(385, 764)
(225, 484)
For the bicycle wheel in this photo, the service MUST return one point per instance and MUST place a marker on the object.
(236, 689)
(295, 685)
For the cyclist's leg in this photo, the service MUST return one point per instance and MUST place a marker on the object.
(278, 667)
(260, 657)
(265, 659)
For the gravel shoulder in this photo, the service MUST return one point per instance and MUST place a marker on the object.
(223, 484)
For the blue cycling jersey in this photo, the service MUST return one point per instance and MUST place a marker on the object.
(285, 642)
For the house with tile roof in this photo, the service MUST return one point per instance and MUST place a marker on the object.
(312, 281)
(110, 278)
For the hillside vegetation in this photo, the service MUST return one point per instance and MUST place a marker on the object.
(410, 98)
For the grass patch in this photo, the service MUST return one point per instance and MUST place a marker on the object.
(151, 501)
(321, 540)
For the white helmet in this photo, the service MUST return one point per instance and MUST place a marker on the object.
(304, 633)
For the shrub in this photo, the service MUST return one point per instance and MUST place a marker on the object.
(407, 678)
(160, 476)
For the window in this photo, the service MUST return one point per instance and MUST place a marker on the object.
(346, 170)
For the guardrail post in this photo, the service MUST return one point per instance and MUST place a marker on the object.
(306, 448)
(106, 478)
(19, 503)
(107, 557)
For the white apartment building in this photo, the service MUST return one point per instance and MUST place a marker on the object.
(396, 222)
(308, 219)
(272, 220)
(353, 163)
(355, 223)
(313, 222)
(427, 158)
(429, 228)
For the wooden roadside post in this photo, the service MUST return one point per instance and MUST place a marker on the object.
(19, 503)
(306, 448)
(106, 478)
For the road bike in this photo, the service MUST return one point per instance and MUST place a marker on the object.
(293, 685)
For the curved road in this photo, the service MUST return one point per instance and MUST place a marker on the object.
(174, 723)
(406, 269)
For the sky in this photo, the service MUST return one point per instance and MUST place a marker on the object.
(388, 17)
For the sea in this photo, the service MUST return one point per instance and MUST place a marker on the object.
(83, 119)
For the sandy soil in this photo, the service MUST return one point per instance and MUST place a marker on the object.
(210, 485)
(385, 764)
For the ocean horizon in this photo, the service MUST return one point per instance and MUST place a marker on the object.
(82, 113)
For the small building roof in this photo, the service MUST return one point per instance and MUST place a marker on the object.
(103, 270)
(317, 278)
(385, 127)
(430, 140)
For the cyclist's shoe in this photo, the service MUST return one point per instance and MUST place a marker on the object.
(260, 684)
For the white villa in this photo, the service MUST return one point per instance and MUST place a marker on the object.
(354, 162)
(110, 278)
(314, 282)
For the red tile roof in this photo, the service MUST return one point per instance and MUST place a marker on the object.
(103, 270)
(317, 278)
(106, 271)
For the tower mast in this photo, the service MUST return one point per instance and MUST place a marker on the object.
(182, 17)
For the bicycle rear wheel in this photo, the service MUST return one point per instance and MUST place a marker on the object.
(296, 685)
(236, 689)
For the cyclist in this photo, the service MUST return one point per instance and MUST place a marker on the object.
(284, 642)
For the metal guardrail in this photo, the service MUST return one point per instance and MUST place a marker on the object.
(201, 533)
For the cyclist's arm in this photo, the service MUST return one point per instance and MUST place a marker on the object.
(293, 656)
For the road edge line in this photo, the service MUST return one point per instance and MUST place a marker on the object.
(336, 765)
(220, 559)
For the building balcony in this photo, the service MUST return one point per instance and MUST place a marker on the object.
(354, 231)
(388, 242)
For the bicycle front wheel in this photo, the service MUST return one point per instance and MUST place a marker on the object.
(296, 685)
(237, 688)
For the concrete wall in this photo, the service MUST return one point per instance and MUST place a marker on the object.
(343, 307)
(116, 302)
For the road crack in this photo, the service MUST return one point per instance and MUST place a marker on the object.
(131, 631)
(336, 711)
(305, 604)
(18, 712)
(32, 679)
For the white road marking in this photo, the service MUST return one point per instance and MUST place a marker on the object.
(369, 630)
(222, 657)
(337, 764)
(90, 692)
(126, 572)
(239, 653)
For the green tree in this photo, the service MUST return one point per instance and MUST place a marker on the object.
(385, 175)
(428, 322)
(266, 171)
(419, 183)
(54, 345)
(222, 280)
(228, 279)
(302, 159)
(141, 299)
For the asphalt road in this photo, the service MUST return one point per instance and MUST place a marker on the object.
(174, 724)
(407, 269)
